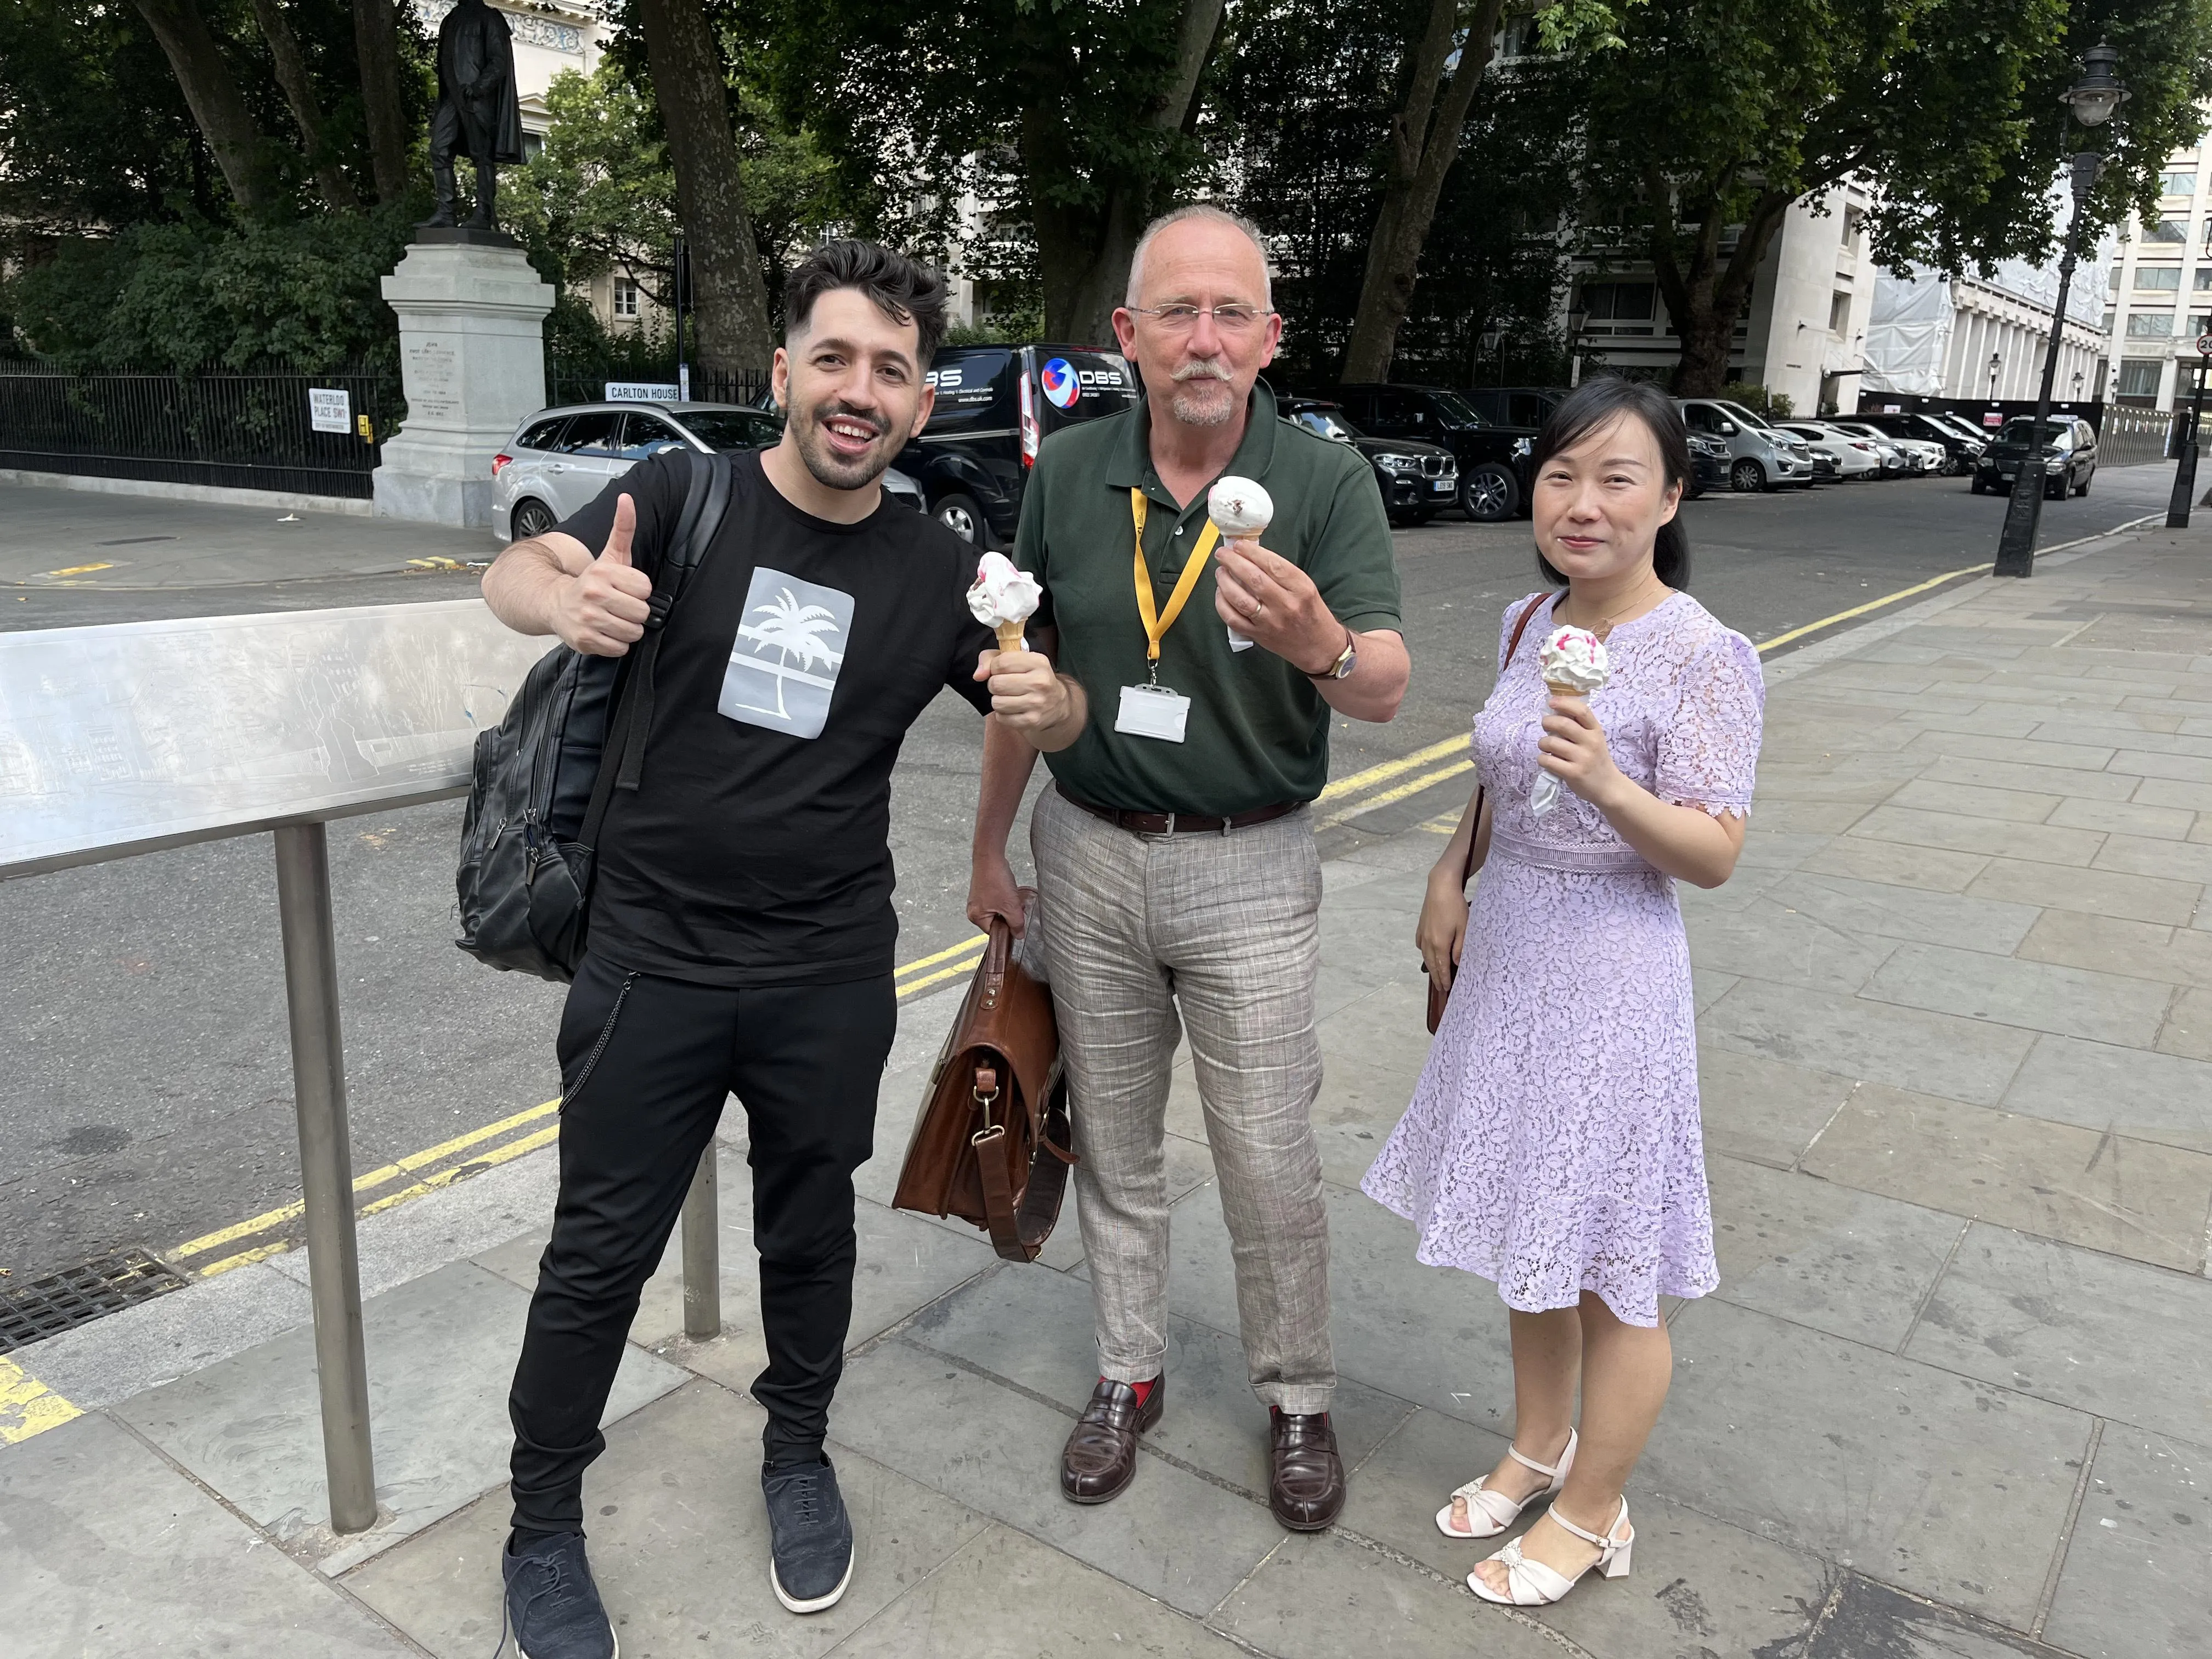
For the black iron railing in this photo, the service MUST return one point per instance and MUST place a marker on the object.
(252, 429)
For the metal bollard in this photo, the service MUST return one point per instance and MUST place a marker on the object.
(311, 993)
(703, 1250)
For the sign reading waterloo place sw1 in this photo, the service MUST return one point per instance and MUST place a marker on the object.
(330, 409)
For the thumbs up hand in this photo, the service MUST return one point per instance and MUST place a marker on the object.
(601, 610)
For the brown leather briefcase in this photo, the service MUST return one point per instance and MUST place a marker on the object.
(992, 1143)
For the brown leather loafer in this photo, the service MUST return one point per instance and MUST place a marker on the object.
(1101, 1456)
(1305, 1488)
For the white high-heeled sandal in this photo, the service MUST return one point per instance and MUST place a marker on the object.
(1532, 1585)
(1500, 1511)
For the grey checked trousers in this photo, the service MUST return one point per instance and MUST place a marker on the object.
(1224, 930)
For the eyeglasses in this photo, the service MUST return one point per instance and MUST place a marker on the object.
(1181, 319)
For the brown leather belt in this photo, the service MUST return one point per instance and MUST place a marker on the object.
(1181, 824)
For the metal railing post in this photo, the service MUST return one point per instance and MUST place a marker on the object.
(311, 994)
(702, 1251)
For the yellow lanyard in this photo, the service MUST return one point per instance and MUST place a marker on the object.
(1157, 623)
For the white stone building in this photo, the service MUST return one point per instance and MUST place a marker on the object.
(1984, 337)
(1804, 332)
(2158, 288)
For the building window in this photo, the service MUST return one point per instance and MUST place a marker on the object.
(1854, 227)
(2150, 325)
(2166, 278)
(2168, 230)
(1839, 312)
(2139, 377)
(2108, 322)
(2180, 184)
(2204, 279)
(625, 297)
(2113, 279)
(1618, 307)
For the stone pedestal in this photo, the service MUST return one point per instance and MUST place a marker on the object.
(472, 364)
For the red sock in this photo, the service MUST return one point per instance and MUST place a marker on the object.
(1143, 1390)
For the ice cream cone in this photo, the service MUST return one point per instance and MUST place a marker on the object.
(1559, 690)
(1010, 635)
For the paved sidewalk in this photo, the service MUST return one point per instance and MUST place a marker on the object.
(1951, 1398)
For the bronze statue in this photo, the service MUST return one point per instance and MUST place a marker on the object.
(476, 107)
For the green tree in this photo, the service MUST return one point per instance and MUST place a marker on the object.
(1716, 115)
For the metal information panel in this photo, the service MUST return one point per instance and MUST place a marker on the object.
(137, 735)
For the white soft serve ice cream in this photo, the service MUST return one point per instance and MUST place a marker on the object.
(1573, 659)
(1240, 508)
(1003, 597)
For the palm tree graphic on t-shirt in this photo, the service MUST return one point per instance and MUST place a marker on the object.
(791, 630)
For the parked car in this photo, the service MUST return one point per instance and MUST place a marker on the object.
(2069, 451)
(1418, 480)
(1971, 431)
(1493, 461)
(1843, 455)
(1709, 463)
(559, 459)
(1521, 408)
(1960, 452)
(996, 406)
(1896, 461)
(1761, 455)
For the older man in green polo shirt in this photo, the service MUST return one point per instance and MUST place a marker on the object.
(1178, 883)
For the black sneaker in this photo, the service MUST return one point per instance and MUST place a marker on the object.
(810, 1536)
(553, 1607)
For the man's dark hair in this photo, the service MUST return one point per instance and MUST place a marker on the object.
(904, 290)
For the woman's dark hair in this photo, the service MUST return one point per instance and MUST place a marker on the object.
(1588, 407)
(904, 290)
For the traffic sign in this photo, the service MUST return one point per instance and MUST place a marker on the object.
(2204, 345)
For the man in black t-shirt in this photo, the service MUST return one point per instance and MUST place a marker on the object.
(741, 925)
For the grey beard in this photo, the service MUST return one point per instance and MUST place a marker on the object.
(1190, 411)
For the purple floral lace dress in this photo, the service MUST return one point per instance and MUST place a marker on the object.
(1553, 1144)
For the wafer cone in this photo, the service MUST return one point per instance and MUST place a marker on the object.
(1010, 636)
(1557, 690)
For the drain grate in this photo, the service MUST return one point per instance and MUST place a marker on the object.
(77, 1296)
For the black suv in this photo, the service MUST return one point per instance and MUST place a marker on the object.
(1960, 452)
(1416, 479)
(996, 406)
(1524, 408)
(1494, 462)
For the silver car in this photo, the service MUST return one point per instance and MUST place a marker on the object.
(560, 459)
(1761, 456)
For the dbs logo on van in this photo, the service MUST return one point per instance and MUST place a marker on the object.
(1061, 386)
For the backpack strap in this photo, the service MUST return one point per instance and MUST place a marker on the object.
(622, 760)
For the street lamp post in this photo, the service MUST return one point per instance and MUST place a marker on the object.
(1577, 320)
(2093, 99)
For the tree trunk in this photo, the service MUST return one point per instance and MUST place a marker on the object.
(729, 300)
(1084, 251)
(300, 93)
(1424, 144)
(1704, 298)
(211, 92)
(376, 44)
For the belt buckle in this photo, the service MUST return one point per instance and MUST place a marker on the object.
(1171, 821)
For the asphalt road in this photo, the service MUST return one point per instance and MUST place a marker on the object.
(147, 1099)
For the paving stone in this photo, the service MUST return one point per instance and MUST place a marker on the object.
(1700, 1586)
(2085, 783)
(2134, 1583)
(2102, 892)
(1964, 1059)
(1763, 1110)
(1897, 865)
(1006, 1596)
(998, 1451)
(105, 1549)
(1957, 833)
(1937, 713)
(1884, 911)
(2124, 817)
(1851, 1263)
(1780, 850)
(1035, 1329)
(2102, 1191)
(1708, 987)
(1945, 1485)
(440, 1353)
(2043, 997)
(2170, 860)
(2050, 1320)
(1868, 1620)
(2111, 944)
(2189, 769)
(2163, 1098)
(1820, 817)
(679, 1544)
(1967, 745)
(1937, 794)
(1324, 1596)
(2188, 1029)
(2172, 793)
(1769, 941)
(2128, 727)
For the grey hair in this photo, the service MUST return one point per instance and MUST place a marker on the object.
(1205, 211)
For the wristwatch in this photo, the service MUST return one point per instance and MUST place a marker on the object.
(1345, 662)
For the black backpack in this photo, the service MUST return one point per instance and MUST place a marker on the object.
(574, 732)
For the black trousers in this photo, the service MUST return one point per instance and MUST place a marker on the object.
(646, 1064)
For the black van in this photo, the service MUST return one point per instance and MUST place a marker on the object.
(996, 406)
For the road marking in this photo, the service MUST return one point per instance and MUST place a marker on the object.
(28, 1406)
(1389, 769)
(958, 967)
(492, 1159)
(959, 950)
(80, 569)
(1426, 780)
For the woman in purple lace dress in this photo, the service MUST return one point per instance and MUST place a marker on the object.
(1553, 1144)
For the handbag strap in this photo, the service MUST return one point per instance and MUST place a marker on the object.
(1520, 627)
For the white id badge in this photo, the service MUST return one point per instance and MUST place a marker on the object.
(1152, 711)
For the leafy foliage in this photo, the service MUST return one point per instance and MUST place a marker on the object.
(1774, 405)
